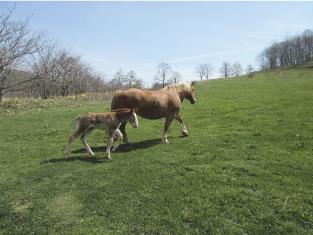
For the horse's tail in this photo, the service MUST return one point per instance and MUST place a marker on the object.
(114, 101)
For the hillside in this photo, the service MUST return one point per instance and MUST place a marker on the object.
(245, 168)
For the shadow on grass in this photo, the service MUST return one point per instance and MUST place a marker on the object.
(121, 149)
(85, 158)
(124, 147)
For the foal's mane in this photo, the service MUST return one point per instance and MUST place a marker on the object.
(179, 87)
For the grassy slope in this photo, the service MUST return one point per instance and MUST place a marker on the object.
(245, 168)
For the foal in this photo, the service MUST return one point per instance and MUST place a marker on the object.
(110, 121)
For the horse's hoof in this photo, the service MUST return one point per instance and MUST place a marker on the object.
(185, 133)
(165, 141)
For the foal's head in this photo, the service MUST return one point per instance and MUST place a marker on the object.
(133, 119)
(126, 114)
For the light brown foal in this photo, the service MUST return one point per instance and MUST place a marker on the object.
(110, 121)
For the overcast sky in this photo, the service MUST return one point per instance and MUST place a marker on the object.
(138, 35)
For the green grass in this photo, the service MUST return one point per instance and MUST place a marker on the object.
(245, 168)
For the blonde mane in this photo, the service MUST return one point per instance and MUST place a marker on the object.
(179, 87)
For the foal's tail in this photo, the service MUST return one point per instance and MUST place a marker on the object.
(76, 122)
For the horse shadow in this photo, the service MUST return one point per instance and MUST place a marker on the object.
(92, 159)
(122, 148)
(82, 158)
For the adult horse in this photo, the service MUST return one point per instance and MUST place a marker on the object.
(156, 104)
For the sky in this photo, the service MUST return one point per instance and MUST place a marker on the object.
(138, 35)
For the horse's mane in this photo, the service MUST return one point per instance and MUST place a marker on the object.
(121, 110)
(179, 87)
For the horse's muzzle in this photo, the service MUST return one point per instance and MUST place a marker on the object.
(134, 126)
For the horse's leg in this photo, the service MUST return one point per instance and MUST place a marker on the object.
(123, 130)
(71, 139)
(168, 122)
(119, 136)
(84, 141)
(109, 144)
(182, 125)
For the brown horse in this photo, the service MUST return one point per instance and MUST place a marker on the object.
(157, 104)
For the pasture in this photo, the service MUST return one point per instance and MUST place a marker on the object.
(245, 168)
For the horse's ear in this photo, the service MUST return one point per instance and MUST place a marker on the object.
(132, 110)
(193, 83)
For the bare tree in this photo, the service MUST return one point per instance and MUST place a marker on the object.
(131, 78)
(164, 69)
(61, 73)
(118, 80)
(237, 69)
(208, 71)
(176, 76)
(292, 51)
(201, 70)
(17, 43)
(138, 83)
(204, 71)
(225, 70)
(249, 70)
(45, 67)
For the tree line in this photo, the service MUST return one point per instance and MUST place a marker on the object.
(48, 68)
(166, 75)
(292, 51)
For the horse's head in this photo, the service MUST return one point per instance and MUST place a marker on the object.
(133, 119)
(190, 93)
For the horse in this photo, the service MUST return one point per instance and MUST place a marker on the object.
(156, 104)
(110, 121)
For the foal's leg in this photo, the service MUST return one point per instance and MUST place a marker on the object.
(109, 144)
(182, 125)
(168, 122)
(123, 130)
(119, 136)
(84, 140)
(71, 139)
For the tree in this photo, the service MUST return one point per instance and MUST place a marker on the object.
(200, 70)
(138, 83)
(249, 70)
(204, 71)
(17, 43)
(208, 71)
(164, 69)
(118, 80)
(44, 67)
(131, 78)
(176, 76)
(237, 69)
(61, 73)
(225, 70)
(292, 51)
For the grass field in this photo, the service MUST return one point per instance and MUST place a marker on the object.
(247, 166)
